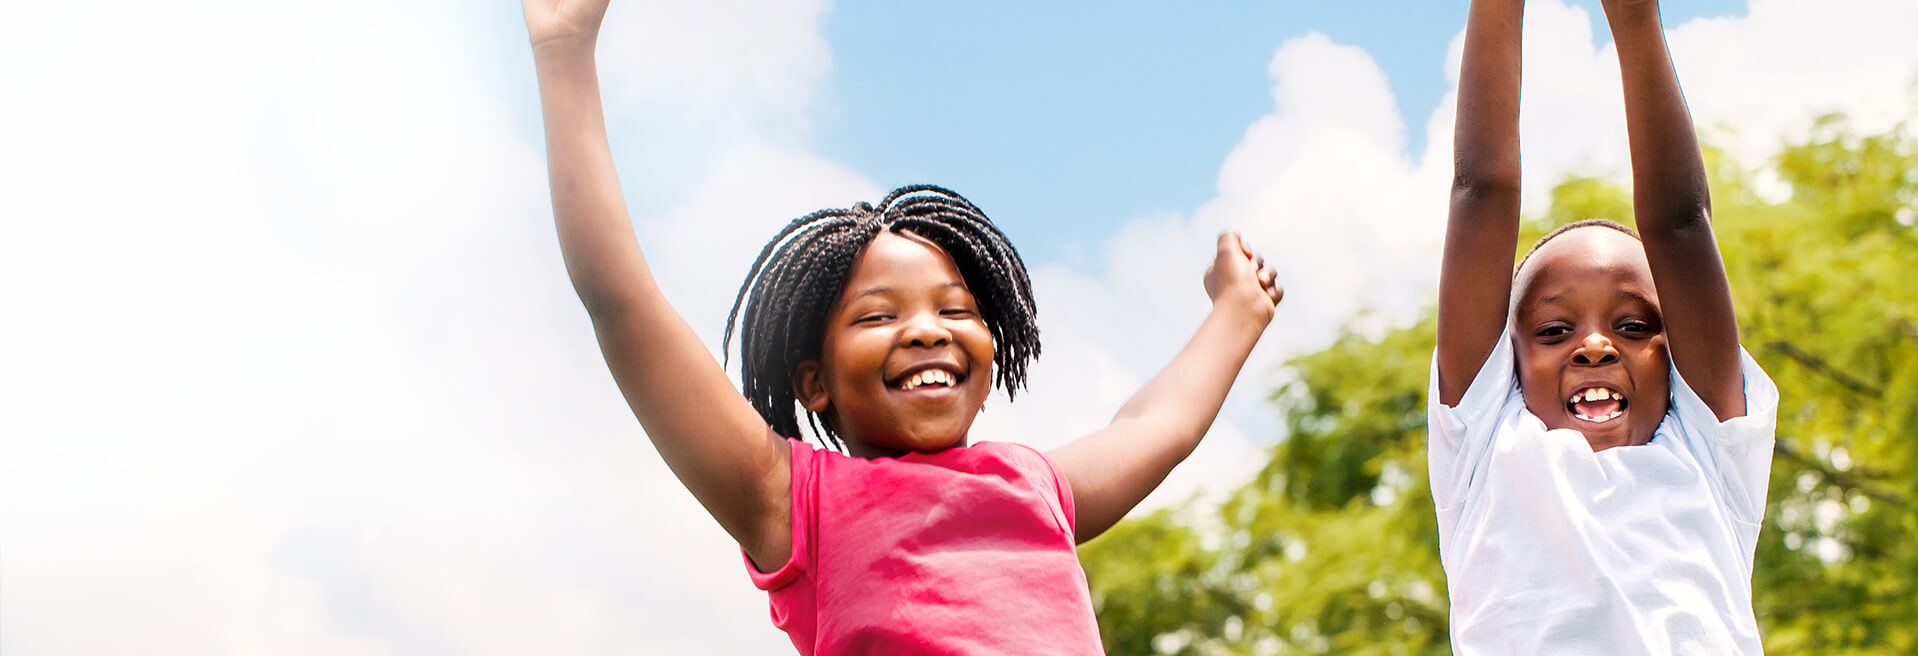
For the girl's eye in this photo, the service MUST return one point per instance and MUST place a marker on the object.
(956, 313)
(873, 318)
(1554, 330)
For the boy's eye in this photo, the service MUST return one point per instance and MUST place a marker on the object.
(1635, 328)
(1554, 330)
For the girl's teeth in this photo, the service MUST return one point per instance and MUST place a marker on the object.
(928, 377)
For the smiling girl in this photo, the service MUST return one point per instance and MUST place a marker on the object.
(888, 325)
(1599, 443)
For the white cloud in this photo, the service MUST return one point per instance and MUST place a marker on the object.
(715, 56)
(300, 371)
(303, 373)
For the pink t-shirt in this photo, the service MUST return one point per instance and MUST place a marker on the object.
(964, 551)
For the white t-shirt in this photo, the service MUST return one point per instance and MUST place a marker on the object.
(1550, 548)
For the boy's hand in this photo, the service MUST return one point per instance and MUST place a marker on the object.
(1240, 278)
(563, 23)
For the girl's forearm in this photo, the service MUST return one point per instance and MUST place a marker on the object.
(602, 256)
(1114, 468)
(1184, 398)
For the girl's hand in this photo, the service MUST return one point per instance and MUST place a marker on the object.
(563, 23)
(1238, 277)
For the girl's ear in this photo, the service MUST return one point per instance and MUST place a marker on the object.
(809, 388)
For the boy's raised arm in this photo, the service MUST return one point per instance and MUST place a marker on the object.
(1673, 206)
(713, 440)
(1113, 469)
(1481, 231)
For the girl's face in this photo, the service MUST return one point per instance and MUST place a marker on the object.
(907, 360)
(1590, 341)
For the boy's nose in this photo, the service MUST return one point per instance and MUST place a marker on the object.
(1594, 351)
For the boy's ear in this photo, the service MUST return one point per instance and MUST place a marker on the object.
(809, 388)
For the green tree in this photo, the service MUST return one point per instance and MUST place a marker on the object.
(1333, 546)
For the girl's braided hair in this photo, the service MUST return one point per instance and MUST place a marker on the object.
(800, 274)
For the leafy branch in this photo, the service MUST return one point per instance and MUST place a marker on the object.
(1819, 365)
(1843, 478)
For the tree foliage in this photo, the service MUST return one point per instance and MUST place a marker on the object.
(1333, 546)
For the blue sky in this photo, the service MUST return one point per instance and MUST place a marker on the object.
(1066, 121)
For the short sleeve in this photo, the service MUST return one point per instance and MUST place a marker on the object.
(1458, 437)
(805, 463)
(1736, 451)
(1054, 478)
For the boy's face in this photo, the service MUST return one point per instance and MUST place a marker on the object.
(907, 360)
(1589, 338)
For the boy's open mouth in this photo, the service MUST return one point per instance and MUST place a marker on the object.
(1596, 404)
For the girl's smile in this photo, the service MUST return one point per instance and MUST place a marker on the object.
(907, 360)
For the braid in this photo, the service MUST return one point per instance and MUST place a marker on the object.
(780, 311)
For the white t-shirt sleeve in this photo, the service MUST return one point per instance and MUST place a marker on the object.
(1735, 453)
(1460, 437)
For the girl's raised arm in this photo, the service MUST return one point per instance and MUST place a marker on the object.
(1481, 231)
(1673, 205)
(1114, 468)
(717, 445)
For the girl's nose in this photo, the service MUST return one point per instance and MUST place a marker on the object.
(1595, 350)
(925, 329)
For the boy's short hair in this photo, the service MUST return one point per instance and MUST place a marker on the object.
(1582, 223)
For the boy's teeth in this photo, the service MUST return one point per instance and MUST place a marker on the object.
(1608, 416)
(1596, 394)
